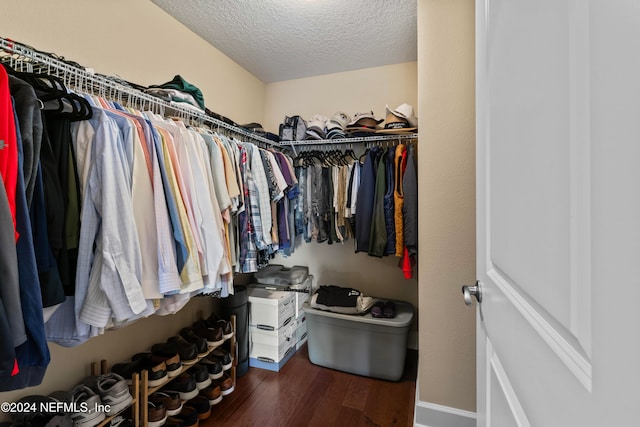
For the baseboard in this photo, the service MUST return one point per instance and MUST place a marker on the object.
(433, 415)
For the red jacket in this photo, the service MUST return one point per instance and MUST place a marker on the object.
(8, 146)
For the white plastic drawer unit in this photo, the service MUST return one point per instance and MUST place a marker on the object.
(269, 309)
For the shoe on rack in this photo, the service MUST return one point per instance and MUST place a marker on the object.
(214, 366)
(184, 384)
(113, 391)
(172, 363)
(187, 336)
(87, 403)
(226, 384)
(119, 421)
(170, 400)
(201, 405)
(200, 373)
(213, 394)
(174, 422)
(188, 352)
(227, 328)
(127, 369)
(189, 416)
(213, 334)
(36, 418)
(224, 357)
(157, 372)
(157, 414)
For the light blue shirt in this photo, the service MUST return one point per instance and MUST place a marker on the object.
(109, 276)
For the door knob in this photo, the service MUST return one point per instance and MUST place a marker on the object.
(469, 291)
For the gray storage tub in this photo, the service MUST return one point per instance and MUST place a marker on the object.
(359, 344)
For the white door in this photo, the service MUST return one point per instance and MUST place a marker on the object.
(558, 197)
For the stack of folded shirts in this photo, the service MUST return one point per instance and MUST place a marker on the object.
(340, 300)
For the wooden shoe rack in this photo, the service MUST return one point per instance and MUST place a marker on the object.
(134, 389)
(146, 391)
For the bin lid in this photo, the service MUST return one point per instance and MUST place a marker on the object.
(404, 315)
(276, 274)
(269, 296)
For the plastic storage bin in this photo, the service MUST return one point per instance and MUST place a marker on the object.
(359, 344)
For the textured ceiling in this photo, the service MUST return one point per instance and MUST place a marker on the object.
(287, 39)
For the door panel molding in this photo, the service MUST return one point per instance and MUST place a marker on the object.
(495, 367)
(580, 171)
(571, 354)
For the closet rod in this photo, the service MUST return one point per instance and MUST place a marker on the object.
(373, 138)
(111, 85)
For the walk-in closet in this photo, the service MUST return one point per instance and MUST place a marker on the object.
(277, 220)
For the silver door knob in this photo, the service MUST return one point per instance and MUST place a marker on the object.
(469, 291)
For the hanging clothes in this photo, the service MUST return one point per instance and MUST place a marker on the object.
(378, 233)
(410, 215)
(398, 197)
(365, 199)
(389, 202)
(32, 356)
(12, 328)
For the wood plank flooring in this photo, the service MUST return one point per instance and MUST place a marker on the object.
(303, 394)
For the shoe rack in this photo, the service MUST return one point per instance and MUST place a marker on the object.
(146, 391)
(134, 389)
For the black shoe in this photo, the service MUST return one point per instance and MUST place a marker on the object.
(227, 328)
(170, 400)
(213, 334)
(173, 364)
(174, 422)
(184, 384)
(214, 366)
(188, 352)
(224, 357)
(156, 370)
(200, 373)
(188, 336)
(189, 416)
(201, 405)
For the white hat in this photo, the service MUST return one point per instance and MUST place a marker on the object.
(338, 121)
(316, 126)
(404, 111)
(361, 116)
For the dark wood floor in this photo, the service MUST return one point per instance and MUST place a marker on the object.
(303, 394)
